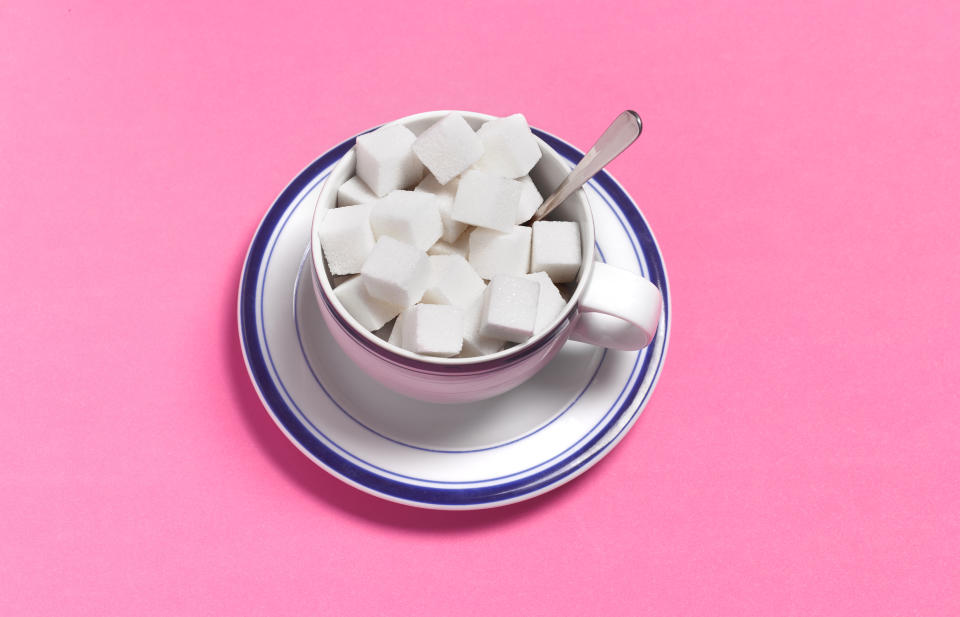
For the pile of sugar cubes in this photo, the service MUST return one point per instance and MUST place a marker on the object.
(430, 228)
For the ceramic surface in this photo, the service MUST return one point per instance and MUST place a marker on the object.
(483, 454)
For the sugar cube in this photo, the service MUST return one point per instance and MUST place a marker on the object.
(530, 199)
(550, 303)
(385, 159)
(433, 330)
(346, 238)
(556, 250)
(353, 192)
(509, 148)
(487, 200)
(423, 254)
(445, 194)
(409, 216)
(452, 281)
(474, 343)
(369, 311)
(461, 247)
(396, 273)
(448, 147)
(493, 252)
(510, 308)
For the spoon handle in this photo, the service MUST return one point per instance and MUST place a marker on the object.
(622, 132)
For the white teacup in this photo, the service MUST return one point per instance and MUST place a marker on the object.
(609, 307)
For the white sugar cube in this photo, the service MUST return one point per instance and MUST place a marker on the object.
(509, 148)
(452, 281)
(353, 192)
(385, 159)
(448, 147)
(550, 303)
(556, 250)
(433, 330)
(369, 311)
(346, 238)
(487, 200)
(461, 247)
(530, 199)
(510, 308)
(396, 273)
(493, 252)
(445, 194)
(474, 343)
(412, 217)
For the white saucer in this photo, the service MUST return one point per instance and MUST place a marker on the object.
(485, 454)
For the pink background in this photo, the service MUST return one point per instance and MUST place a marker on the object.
(799, 165)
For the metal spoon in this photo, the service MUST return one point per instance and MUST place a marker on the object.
(622, 132)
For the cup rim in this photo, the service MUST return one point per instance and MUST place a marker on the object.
(409, 358)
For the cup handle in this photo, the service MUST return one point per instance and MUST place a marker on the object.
(618, 310)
